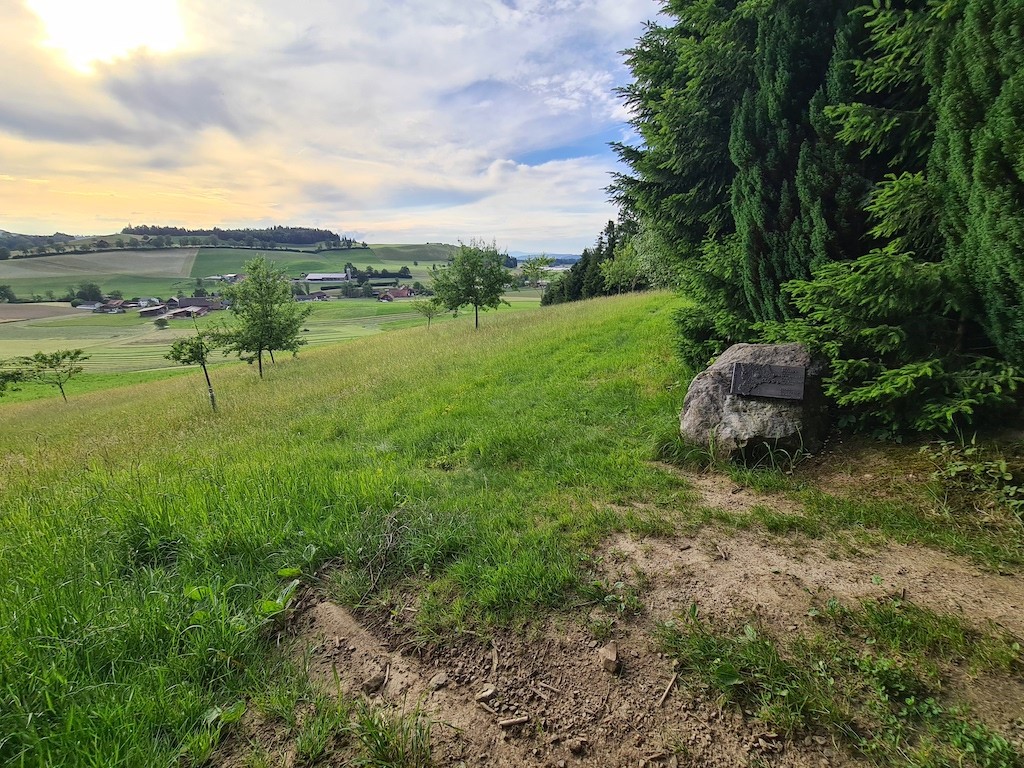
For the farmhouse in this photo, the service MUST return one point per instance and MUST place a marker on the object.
(207, 302)
(183, 313)
(396, 293)
(210, 302)
(153, 311)
(326, 277)
(316, 296)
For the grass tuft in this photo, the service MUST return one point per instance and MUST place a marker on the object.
(872, 681)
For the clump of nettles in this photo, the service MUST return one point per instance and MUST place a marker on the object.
(979, 476)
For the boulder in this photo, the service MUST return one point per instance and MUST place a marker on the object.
(732, 425)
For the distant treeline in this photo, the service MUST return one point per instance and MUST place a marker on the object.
(277, 234)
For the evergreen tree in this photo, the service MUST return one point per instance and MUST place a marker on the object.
(768, 131)
(832, 181)
(977, 158)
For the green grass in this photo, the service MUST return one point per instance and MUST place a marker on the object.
(88, 382)
(872, 681)
(219, 261)
(129, 344)
(135, 273)
(141, 536)
(920, 515)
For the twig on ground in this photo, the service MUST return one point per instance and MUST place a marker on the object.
(514, 721)
(668, 688)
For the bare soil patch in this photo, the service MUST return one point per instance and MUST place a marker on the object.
(718, 491)
(745, 575)
(10, 313)
(547, 700)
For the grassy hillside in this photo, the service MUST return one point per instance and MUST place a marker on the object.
(136, 273)
(455, 486)
(141, 538)
(128, 344)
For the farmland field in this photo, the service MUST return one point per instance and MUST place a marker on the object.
(127, 343)
(172, 270)
(10, 313)
(136, 273)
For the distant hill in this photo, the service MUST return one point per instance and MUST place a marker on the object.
(15, 241)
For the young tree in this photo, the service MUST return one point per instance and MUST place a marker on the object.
(195, 350)
(10, 373)
(54, 368)
(268, 318)
(428, 308)
(535, 267)
(476, 276)
(7, 294)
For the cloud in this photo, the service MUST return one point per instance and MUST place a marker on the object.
(412, 119)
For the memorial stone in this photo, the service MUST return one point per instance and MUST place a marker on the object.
(757, 396)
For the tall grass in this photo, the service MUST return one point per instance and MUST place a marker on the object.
(141, 536)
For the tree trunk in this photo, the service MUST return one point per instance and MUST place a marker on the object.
(61, 388)
(476, 311)
(209, 386)
(259, 362)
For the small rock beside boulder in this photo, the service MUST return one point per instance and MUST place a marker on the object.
(736, 425)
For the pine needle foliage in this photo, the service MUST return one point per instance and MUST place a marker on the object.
(872, 202)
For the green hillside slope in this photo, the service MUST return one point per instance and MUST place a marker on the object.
(142, 536)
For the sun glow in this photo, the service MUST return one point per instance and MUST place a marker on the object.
(104, 30)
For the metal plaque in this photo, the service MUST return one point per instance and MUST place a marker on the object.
(757, 380)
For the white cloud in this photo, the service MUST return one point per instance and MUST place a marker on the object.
(398, 120)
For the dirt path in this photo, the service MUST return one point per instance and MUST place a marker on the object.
(543, 697)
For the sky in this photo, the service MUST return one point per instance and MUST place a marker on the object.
(393, 121)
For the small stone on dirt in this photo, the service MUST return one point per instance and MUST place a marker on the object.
(609, 656)
(487, 693)
(372, 684)
(440, 680)
(577, 746)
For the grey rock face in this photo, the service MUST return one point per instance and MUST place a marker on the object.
(734, 424)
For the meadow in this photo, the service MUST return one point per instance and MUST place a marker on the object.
(142, 539)
(465, 485)
(129, 345)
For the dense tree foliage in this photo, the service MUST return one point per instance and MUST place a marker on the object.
(276, 234)
(611, 266)
(12, 241)
(851, 176)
